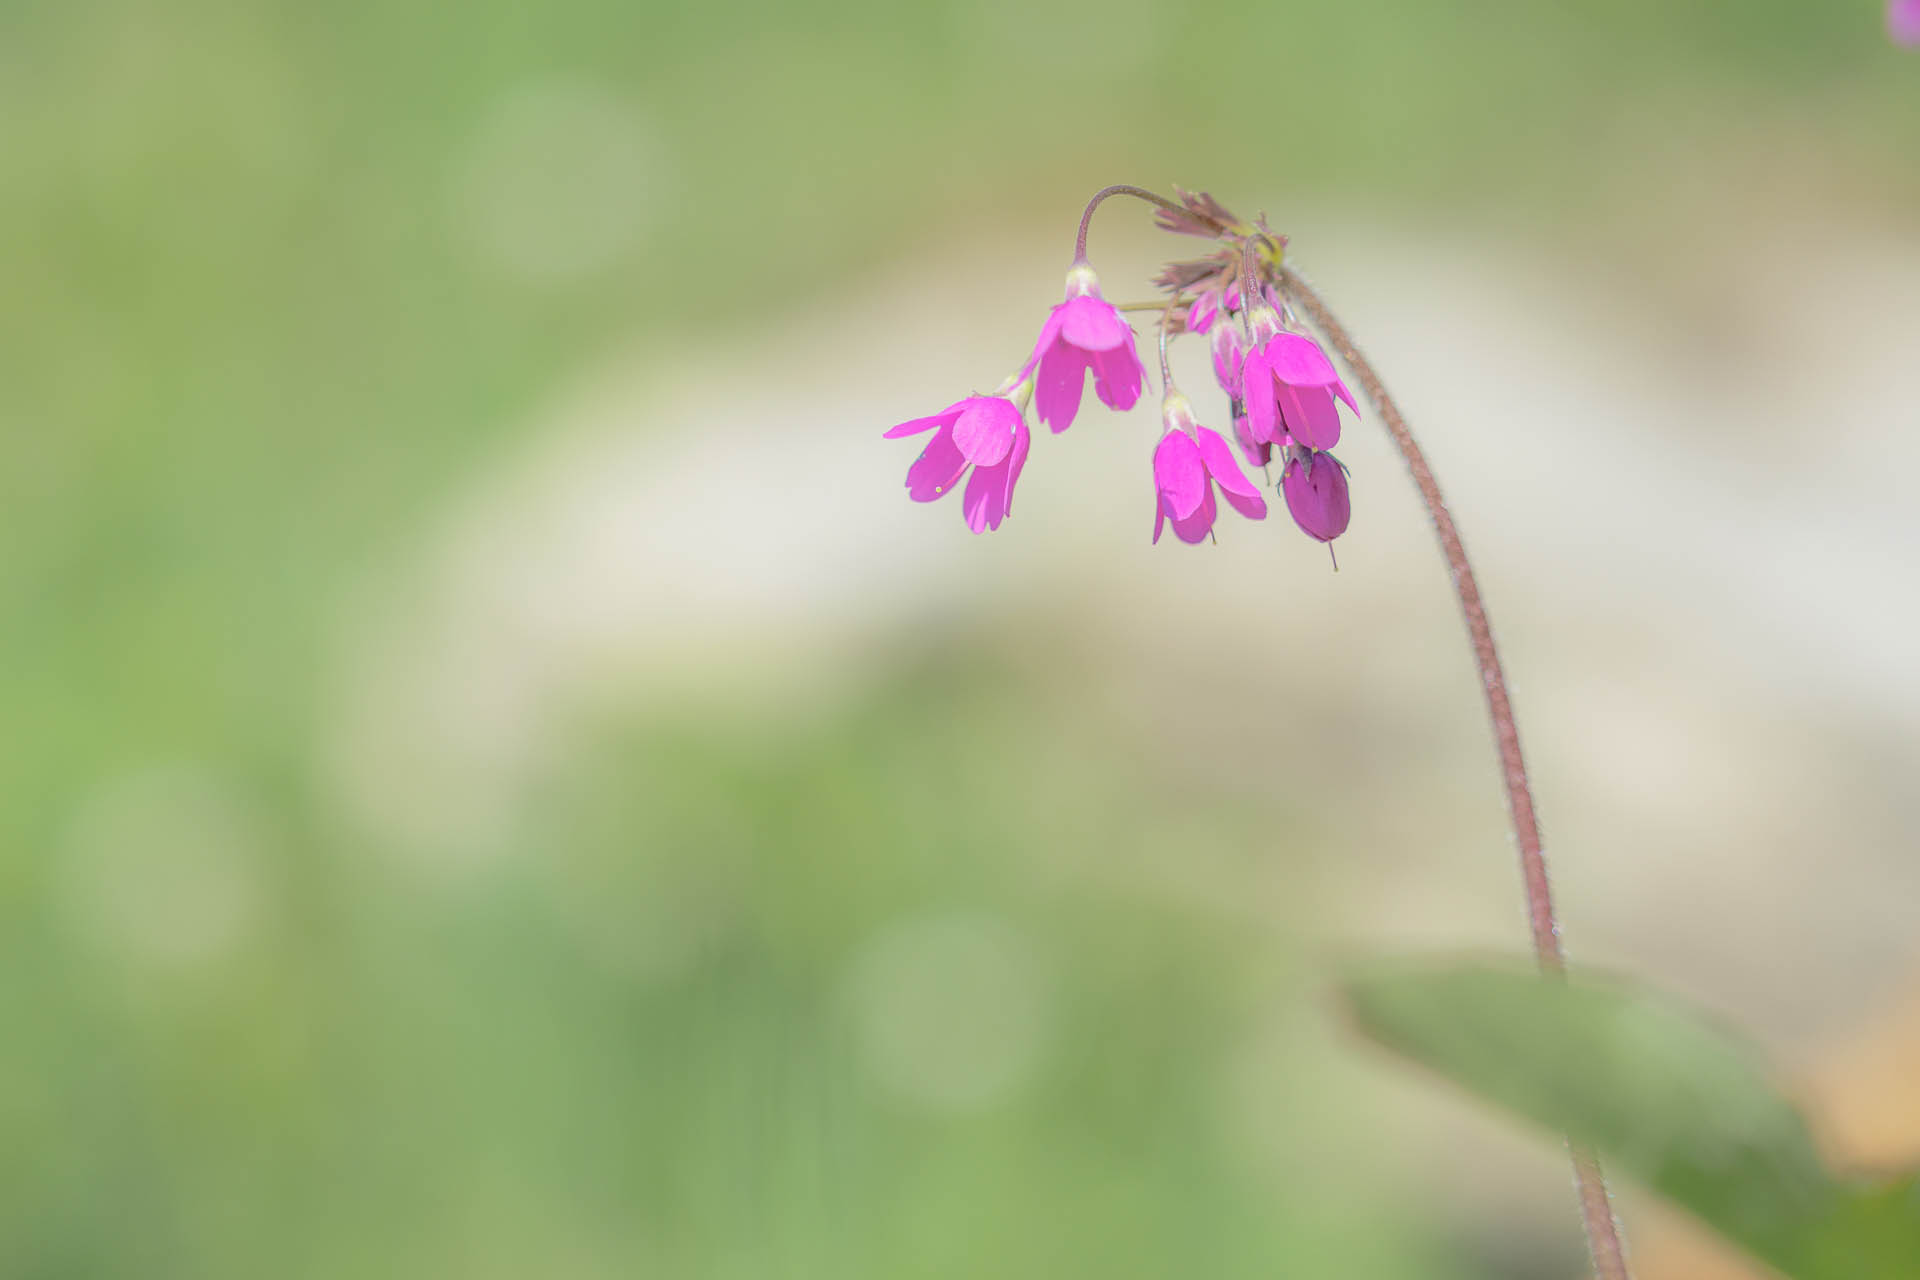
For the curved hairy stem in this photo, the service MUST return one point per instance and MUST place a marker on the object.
(1603, 1233)
(1120, 189)
(1166, 323)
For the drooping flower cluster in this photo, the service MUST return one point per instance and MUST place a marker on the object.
(1283, 393)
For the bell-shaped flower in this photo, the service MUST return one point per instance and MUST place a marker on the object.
(1290, 388)
(1084, 332)
(1187, 464)
(987, 434)
(1315, 487)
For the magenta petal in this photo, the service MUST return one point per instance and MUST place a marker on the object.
(937, 469)
(1253, 506)
(1203, 312)
(1310, 415)
(1048, 339)
(1159, 517)
(1062, 377)
(914, 426)
(989, 496)
(1257, 452)
(1221, 465)
(1179, 474)
(984, 429)
(1118, 376)
(1256, 381)
(1298, 361)
(1196, 526)
(1340, 389)
(1241, 493)
(1091, 323)
(1316, 493)
(981, 486)
(1016, 460)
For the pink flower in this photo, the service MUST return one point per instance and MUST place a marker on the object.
(1189, 461)
(986, 433)
(1315, 485)
(1085, 332)
(1290, 389)
(1903, 21)
(1220, 304)
(1204, 311)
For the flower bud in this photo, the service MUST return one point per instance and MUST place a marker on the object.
(1229, 350)
(1204, 311)
(1315, 487)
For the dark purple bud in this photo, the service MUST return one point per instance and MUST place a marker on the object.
(1315, 487)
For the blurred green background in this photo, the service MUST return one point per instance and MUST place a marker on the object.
(782, 920)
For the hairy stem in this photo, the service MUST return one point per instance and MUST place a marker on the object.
(1603, 1233)
(1122, 189)
(1249, 290)
(1166, 323)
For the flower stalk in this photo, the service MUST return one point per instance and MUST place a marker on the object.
(1283, 395)
(1596, 1207)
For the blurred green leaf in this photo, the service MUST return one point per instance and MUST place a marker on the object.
(1670, 1099)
